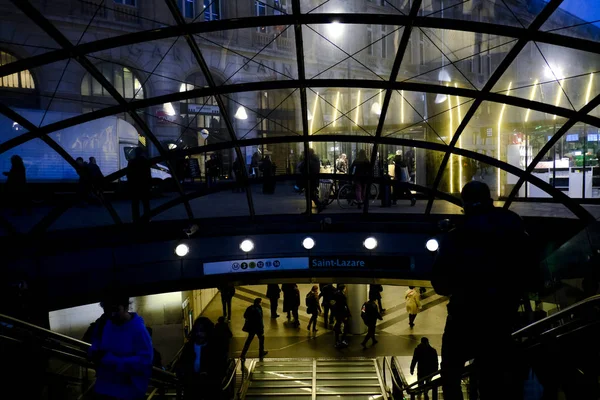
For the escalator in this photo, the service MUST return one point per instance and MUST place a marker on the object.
(307, 379)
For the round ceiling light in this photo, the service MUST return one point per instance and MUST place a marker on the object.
(247, 245)
(370, 243)
(308, 243)
(432, 245)
(182, 250)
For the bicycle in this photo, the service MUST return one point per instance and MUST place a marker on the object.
(346, 197)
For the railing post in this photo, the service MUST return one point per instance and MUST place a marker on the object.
(434, 393)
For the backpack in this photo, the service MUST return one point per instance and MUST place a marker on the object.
(363, 312)
(310, 302)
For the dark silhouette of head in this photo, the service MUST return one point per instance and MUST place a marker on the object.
(257, 301)
(202, 330)
(139, 152)
(93, 160)
(476, 197)
(424, 340)
(16, 161)
(362, 156)
(411, 287)
(221, 320)
(79, 161)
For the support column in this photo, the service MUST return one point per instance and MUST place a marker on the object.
(357, 295)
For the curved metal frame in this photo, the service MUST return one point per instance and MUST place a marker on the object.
(298, 19)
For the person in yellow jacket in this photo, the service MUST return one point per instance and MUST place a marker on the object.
(413, 304)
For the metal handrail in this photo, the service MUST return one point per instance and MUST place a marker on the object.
(233, 373)
(589, 302)
(394, 381)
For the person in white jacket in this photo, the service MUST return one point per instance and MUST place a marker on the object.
(413, 304)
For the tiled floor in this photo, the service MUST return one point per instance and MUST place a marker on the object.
(282, 340)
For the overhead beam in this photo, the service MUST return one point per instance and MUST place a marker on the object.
(293, 84)
(202, 27)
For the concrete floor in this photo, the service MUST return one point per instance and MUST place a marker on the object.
(228, 204)
(282, 340)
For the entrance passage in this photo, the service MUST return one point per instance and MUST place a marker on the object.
(317, 378)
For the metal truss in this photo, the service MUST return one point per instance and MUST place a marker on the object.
(298, 20)
(35, 15)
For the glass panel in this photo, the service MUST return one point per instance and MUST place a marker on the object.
(327, 50)
(268, 55)
(345, 111)
(536, 74)
(361, 6)
(475, 10)
(265, 114)
(577, 18)
(21, 35)
(553, 210)
(453, 57)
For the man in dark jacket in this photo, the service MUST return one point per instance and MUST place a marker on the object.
(314, 168)
(273, 292)
(486, 268)
(370, 314)
(375, 294)
(227, 292)
(139, 179)
(268, 171)
(255, 327)
(425, 358)
(327, 293)
(342, 315)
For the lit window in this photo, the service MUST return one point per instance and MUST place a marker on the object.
(18, 80)
(212, 10)
(261, 11)
(122, 78)
(126, 2)
(187, 8)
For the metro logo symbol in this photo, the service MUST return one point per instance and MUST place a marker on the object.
(255, 265)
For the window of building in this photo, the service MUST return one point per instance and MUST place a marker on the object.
(421, 48)
(126, 2)
(212, 10)
(383, 41)
(122, 78)
(187, 8)
(370, 40)
(280, 8)
(261, 11)
(408, 54)
(18, 80)
(200, 112)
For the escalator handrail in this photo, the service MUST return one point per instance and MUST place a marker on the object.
(46, 332)
(584, 304)
(76, 342)
(394, 381)
(233, 373)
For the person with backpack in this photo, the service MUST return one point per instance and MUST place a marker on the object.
(254, 326)
(370, 314)
(425, 358)
(342, 315)
(313, 307)
(413, 304)
(327, 292)
(375, 294)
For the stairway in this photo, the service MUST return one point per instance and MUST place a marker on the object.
(308, 379)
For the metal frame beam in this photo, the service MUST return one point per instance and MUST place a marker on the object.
(414, 10)
(498, 73)
(222, 107)
(297, 14)
(41, 21)
(316, 18)
(288, 84)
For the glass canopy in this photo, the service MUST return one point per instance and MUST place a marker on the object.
(502, 91)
